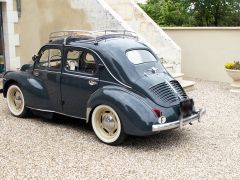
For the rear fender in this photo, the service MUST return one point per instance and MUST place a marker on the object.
(135, 113)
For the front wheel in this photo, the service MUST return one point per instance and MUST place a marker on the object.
(16, 101)
(107, 125)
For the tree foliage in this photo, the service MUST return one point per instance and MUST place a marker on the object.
(194, 12)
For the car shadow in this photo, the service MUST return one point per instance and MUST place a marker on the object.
(165, 139)
(60, 120)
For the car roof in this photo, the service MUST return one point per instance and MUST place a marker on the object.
(112, 52)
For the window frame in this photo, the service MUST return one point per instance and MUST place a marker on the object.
(49, 47)
(67, 49)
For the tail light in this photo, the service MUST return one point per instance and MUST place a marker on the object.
(157, 112)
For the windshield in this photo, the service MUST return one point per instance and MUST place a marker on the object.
(140, 56)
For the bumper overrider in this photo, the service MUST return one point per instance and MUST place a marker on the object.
(179, 123)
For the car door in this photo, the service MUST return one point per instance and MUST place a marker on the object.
(47, 72)
(80, 78)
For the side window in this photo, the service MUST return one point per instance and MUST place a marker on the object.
(50, 58)
(88, 64)
(73, 58)
(80, 61)
(44, 59)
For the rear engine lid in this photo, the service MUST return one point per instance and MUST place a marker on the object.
(162, 89)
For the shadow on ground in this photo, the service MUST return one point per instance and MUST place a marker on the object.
(162, 140)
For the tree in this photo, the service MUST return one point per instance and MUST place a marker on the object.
(167, 12)
(194, 12)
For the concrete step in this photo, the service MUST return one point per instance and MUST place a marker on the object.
(169, 67)
(177, 76)
(187, 85)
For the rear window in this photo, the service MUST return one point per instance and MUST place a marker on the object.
(140, 56)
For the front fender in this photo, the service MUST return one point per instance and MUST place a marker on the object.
(33, 90)
(135, 113)
(11, 77)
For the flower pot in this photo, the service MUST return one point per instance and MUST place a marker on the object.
(235, 75)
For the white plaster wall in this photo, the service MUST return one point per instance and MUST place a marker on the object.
(206, 50)
(11, 40)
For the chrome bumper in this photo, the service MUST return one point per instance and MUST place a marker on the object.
(179, 123)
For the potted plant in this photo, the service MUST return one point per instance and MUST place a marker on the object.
(233, 70)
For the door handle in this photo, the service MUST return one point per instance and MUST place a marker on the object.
(92, 82)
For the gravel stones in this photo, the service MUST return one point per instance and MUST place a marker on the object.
(65, 148)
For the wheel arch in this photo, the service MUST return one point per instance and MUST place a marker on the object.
(7, 85)
(135, 113)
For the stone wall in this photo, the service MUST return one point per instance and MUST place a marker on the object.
(26, 34)
(40, 17)
(149, 31)
(11, 39)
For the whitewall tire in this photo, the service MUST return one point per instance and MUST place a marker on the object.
(107, 125)
(16, 101)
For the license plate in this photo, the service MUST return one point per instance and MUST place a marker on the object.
(186, 107)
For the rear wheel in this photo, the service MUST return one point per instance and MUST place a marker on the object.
(107, 125)
(16, 101)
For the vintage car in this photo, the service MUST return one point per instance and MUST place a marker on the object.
(110, 79)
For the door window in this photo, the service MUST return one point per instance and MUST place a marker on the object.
(73, 57)
(50, 58)
(80, 61)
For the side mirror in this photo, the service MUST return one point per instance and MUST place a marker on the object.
(35, 57)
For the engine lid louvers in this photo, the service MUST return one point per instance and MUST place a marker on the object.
(181, 93)
(168, 94)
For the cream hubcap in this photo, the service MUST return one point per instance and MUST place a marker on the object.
(15, 100)
(106, 123)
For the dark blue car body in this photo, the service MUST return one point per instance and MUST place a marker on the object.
(133, 90)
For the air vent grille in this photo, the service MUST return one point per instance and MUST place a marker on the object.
(179, 89)
(164, 93)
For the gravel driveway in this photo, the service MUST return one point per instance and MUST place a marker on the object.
(66, 148)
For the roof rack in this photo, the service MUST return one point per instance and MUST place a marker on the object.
(91, 36)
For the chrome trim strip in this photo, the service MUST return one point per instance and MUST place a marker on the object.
(80, 76)
(55, 112)
(177, 124)
(104, 65)
(110, 82)
(45, 70)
